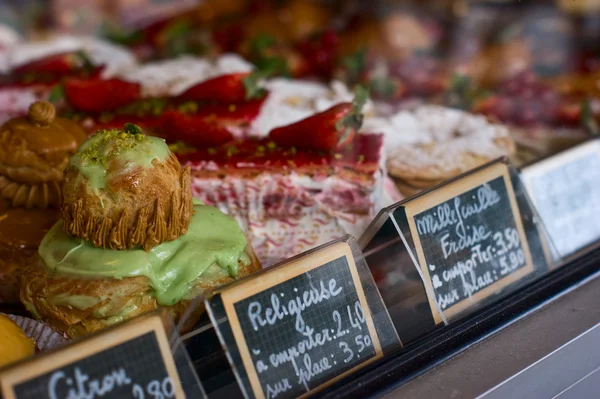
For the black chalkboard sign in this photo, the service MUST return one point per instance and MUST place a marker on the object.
(132, 361)
(302, 326)
(469, 239)
(565, 190)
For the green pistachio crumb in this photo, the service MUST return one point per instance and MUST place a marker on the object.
(119, 141)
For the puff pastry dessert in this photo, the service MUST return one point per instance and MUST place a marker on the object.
(34, 151)
(125, 189)
(88, 275)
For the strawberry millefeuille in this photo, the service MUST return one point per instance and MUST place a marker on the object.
(189, 97)
(301, 185)
(31, 71)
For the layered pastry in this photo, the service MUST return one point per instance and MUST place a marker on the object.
(31, 71)
(131, 239)
(302, 185)
(34, 151)
(189, 95)
(445, 143)
(14, 344)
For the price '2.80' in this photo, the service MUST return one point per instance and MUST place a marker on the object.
(155, 390)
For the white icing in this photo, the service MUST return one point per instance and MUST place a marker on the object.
(399, 129)
(290, 101)
(8, 37)
(173, 77)
(114, 58)
(457, 129)
(451, 133)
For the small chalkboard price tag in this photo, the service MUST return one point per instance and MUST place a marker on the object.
(565, 190)
(132, 360)
(469, 239)
(300, 326)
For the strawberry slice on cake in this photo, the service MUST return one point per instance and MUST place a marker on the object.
(302, 185)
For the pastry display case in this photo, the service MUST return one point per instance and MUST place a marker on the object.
(298, 198)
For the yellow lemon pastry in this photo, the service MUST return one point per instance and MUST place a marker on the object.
(14, 344)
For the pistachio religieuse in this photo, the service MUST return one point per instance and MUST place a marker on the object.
(130, 239)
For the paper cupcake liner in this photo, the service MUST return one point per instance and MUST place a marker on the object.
(45, 337)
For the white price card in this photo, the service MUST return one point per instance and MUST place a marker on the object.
(565, 189)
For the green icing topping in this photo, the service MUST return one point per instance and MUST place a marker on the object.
(173, 268)
(131, 147)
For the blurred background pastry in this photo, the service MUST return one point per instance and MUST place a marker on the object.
(34, 151)
(450, 142)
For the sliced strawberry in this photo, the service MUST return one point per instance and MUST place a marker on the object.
(98, 95)
(196, 130)
(232, 88)
(244, 112)
(57, 64)
(329, 130)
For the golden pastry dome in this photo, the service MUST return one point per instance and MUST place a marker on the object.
(14, 344)
(123, 190)
(34, 151)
